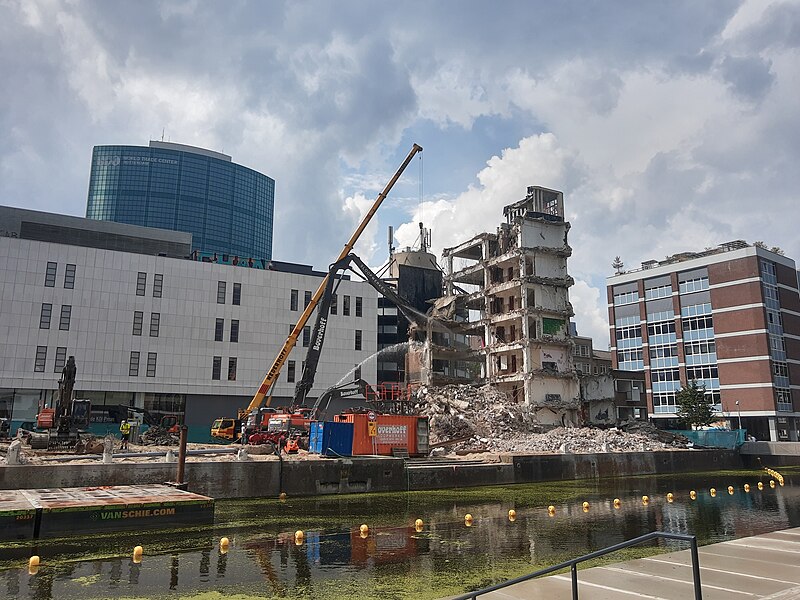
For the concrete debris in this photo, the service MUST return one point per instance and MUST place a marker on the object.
(484, 418)
(158, 436)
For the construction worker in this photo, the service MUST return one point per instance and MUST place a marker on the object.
(125, 431)
(244, 433)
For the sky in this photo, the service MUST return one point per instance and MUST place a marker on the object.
(669, 126)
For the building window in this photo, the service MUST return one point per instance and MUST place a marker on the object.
(237, 294)
(293, 300)
(357, 372)
(346, 306)
(232, 369)
(306, 299)
(69, 277)
(234, 330)
(50, 274)
(216, 368)
(784, 400)
(44, 317)
(220, 292)
(138, 317)
(661, 291)
(66, 314)
(155, 322)
(291, 328)
(219, 328)
(626, 298)
(290, 371)
(141, 283)
(152, 357)
(306, 335)
(133, 367)
(693, 285)
(335, 304)
(158, 283)
(61, 359)
(41, 359)
(358, 339)
(359, 305)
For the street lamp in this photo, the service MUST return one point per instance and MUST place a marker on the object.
(739, 410)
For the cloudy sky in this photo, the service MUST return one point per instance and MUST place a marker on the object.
(668, 125)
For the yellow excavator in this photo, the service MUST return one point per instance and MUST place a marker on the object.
(226, 428)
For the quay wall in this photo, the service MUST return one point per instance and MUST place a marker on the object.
(311, 477)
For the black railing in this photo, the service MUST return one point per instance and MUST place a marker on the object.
(573, 565)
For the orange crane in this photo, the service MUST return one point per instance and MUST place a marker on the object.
(226, 428)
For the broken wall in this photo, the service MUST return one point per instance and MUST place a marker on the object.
(542, 233)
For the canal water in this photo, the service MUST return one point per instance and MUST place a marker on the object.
(395, 561)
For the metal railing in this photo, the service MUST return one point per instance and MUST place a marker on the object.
(573, 565)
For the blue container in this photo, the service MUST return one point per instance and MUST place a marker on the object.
(331, 439)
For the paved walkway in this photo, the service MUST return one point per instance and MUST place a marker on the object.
(762, 566)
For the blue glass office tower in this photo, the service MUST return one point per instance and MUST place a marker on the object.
(226, 207)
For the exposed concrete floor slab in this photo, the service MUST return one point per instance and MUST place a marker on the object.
(764, 566)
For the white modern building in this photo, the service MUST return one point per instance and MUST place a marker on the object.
(151, 325)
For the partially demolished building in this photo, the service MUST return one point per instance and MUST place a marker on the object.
(507, 311)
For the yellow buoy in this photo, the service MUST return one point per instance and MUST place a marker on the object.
(585, 506)
(468, 517)
(138, 551)
(746, 487)
(713, 492)
(760, 485)
(419, 523)
(282, 497)
(364, 529)
(617, 503)
(33, 565)
(772, 483)
(585, 509)
(551, 510)
(693, 495)
(670, 497)
(298, 536)
(512, 514)
(223, 545)
(645, 499)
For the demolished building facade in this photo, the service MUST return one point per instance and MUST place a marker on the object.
(507, 311)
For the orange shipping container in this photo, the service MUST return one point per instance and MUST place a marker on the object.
(392, 431)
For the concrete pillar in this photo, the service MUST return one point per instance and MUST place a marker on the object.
(773, 428)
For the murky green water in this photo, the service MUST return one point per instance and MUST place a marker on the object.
(395, 561)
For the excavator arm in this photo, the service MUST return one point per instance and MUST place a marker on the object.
(272, 374)
(306, 382)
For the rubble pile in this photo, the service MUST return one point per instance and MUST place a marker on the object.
(158, 436)
(484, 418)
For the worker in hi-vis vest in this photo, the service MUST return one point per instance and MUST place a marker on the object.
(125, 430)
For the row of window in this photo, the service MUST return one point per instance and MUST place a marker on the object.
(294, 298)
(219, 330)
(236, 298)
(306, 336)
(216, 368)
(626, 298)
(693, 285)
(52, 271)
(40, 362)
(661, 291)
(133, 368)
(138, 320)
(46, 314)
(141, 284)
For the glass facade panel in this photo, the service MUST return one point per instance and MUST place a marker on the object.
(226, 207)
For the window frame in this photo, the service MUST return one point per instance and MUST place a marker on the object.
(61, 357)
(155, 324)
(158, 285)
(233, 335)
(50, 274)
(358, 339)
(359, 306)
(232, 365)
(69, 276)
(141, 283)
(66, 317)
(40, 360)
(152, 361)
(216, 368)
(138, 322)
(45, 320)
(222, 289)
(133, 364)
(236, 298)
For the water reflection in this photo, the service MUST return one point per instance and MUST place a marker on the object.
(395, 561)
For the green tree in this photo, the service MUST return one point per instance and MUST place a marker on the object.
(694, 407)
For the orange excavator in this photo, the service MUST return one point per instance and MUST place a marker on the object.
(257, 414)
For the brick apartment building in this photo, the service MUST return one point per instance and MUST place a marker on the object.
(728, 317)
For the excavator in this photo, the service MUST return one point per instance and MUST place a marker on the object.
(229, 429)
(294, 423)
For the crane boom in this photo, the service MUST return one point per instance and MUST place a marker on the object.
(273, 372)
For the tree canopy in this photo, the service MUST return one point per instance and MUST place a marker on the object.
(694, 407)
